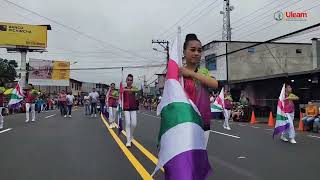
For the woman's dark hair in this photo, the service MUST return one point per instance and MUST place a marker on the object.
(190, 37)
(130, 75)
(287, 85)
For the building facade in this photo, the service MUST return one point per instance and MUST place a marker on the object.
(259, 71)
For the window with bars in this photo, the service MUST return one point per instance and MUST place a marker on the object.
(211, 62)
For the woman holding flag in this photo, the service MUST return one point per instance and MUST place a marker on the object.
(197, 80)
(184, 128)
(130, 108)
(227, 109)
(289, 110)
(113, 96)
(30, 97)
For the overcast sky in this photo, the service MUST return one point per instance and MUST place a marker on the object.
(123, 29)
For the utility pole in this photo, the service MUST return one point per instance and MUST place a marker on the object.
(226, 31)
(165, 45)
(226, 28)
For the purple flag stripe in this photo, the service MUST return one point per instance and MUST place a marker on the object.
(189, 165)
(280, 129)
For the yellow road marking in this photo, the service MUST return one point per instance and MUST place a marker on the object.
(141, 170)
(144, 151)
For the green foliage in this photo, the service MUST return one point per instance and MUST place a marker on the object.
(8, 72)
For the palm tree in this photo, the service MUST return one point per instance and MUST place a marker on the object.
(8, 72)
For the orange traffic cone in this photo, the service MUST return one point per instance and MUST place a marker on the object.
(301, 123)
(253, 118)
(271, 120)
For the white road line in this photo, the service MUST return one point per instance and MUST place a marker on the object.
(241, 157)
(243, 125)
(150, 115)
(225, 134)
(50, 116)
(268, 129)
(5, 130)
(314, 136)
(255, 127)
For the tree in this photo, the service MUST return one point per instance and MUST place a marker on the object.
(8, 72)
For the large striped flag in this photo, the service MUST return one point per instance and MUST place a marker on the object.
(183, 151)
(16, 96)
(282, 121)
(218, 104)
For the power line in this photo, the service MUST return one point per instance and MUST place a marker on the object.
(193, 20)
(182, 18)
(268, 41)
(75, 30)
(277, 22)
(245, 24)
(257, 20)
(263, 7)
(102, 68)
(73, 52)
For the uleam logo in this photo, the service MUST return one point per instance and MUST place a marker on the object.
(290, 16)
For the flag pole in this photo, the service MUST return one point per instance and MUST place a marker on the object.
(180, 53)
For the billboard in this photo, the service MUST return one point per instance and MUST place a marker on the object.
(12, 34)
(49, 73)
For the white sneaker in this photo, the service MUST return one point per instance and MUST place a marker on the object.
(70, 116)
(128, 144)
(65, 116)
(33, 120)
(27, 120)
(95, 115)
(91, 115)
(228, 128)
(293, 141)
(284, 138)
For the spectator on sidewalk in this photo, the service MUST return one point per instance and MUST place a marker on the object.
(316, 124)
(311, 115)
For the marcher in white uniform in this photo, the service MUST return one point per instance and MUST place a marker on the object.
(130, 107)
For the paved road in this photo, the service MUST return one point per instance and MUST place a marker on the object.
(82, 147)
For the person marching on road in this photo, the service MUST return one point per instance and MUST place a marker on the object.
(227, 109)
(197, 80)
(70, 99)
(94, 95)
(102, 99)
(289, 110)
(86, 102)
(113, 96)
(63, 103)
(30, 97)
(130, 108)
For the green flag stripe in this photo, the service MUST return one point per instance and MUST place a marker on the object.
(15, 96)
(216, 107)
(281, 118)
(177, 113)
